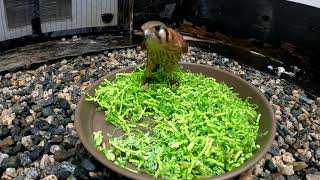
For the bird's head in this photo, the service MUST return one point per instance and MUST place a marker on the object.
(155, 30)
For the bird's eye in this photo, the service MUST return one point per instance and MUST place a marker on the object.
(157, 28)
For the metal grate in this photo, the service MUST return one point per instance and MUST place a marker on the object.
(18, 12)
(55, 10)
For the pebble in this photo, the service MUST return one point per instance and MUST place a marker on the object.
(46, 161)
(286, 169)
(313, 177)
(10, 162)
(31, 173)
(298, 166)
(287, 157)
(60, 156)
(317, 154)
(274, 150)
(3, 156)
(7, 117)
(50, 177)
(8, 141)
(61, 170)
(11, 172)
(88, 165)
(27, 141)
(54, 148)
(25, 159)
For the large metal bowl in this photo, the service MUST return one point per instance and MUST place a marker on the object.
(89, 120)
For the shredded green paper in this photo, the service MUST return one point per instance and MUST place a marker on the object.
(197, 129)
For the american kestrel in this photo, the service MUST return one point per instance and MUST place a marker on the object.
(164, 47)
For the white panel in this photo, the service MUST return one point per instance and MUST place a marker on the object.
(315, 3)
(94, 14)
(115, 12)
(2, 22)
(89, 13)
(99, 12)
(85, 13)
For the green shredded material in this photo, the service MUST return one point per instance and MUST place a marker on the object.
(197, 129)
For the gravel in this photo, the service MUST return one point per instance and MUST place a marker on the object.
(38, 138)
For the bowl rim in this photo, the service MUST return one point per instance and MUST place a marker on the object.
(132, 175)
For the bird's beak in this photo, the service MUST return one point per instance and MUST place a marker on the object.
(146, 33)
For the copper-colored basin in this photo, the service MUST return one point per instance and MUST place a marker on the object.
(89, 120)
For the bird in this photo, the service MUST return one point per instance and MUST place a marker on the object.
(164, 47)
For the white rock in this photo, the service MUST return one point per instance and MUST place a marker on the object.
(50, 119)
(50, 177)
(313, 177)
(46, 161)
(26, 141)
(73, 107)
(288, 158)
(286, 170)
(54, 148)
(7, 117)
(277, 161)
(3, 156)
(11, 172)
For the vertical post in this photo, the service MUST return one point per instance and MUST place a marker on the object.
(35, 21)
(130, 10)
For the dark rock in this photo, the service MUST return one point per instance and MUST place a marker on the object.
(296, 112)
(303, 132)
(84, 78)
(36, 108)
(269, 92)
(56, 139)
(43, 103)
(66, 121)
(12, 151)
(274, 150)
(69, 142)
(283, 130)
(47, 111)
(34, 153)
(46, 147)
(25, 131)
(17, 109)
(312, 170)
(305, 99)
(10, 162)
(63, 103)
(88, 165)
(270, 166)
(24, 91)
(81, 173)
(58, 131)
(314, 145)
(15, 133)
(67, 77)
(61, 170)
(60, 156)
(25, 159)
(35, 131)
(19, 178)
(298, 166)
(278, 177)
(293, 177)
(4, 132)
(41, 124)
